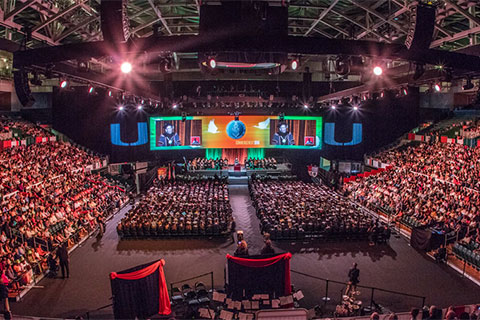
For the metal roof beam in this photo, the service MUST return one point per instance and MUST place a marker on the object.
(455, 37)
(463, 12)
(143, 26)
(59, 15)
(20, 8)
(380, 16)
(322, 15)
(79, 26)
(361, 26)
(159, 15)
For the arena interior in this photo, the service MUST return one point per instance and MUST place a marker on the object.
(214, 159)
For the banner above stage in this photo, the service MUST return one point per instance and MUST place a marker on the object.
(230, 132)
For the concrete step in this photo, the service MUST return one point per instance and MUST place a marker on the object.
(238, 180)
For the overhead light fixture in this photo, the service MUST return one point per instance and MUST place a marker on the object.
(139, 107)
(333, 107)
(404, 91)
(126, 67)
(355, 108)
(378, 71)
(175, 106)
(63, 84)
(305, 106)
(382, 94)
(294, 64)
(212, 63)
(121, 108)
(91, 89)
(437, 87)
(110, 94)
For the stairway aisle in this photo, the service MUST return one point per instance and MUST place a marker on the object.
(245, 217)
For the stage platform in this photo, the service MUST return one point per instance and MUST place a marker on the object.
(282, 168)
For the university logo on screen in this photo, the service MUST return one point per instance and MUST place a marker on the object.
(328, 138)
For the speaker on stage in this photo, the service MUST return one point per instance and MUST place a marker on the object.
(22, 88)
(422, 23)
(114, 20)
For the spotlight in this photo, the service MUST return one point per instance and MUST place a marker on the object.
(404, 91)
(63, 84)
(468, 85)
(121, 108)
(212, 63)
(382, 94)
(175, 106)
(305, 106)
(294, 64)
(126, 67)
(333, 107)
(437, 87)
(110, 93)
(139, 107)
(142, 101)
(355, 108)
(377, 70)
(91, 89)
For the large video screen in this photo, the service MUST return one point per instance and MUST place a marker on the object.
(294, 132)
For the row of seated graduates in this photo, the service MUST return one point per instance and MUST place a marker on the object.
(299, 210)
(267, 163)
(195, 207)
(206, 164)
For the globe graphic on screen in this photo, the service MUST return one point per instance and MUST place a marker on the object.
(236, 129)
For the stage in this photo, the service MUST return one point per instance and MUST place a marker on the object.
(231, 171)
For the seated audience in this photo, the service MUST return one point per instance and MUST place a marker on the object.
(199, 206)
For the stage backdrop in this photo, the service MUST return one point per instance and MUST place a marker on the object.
(227, 132)
(258, 275)
(140, 292)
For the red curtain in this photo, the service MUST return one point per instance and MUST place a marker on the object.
(164, 300)
(261, 263)
(231, 154)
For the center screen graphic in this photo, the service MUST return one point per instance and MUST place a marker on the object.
(295, 132)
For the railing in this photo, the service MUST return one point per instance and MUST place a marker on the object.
(334, 290)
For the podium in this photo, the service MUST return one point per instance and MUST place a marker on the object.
(237, 168)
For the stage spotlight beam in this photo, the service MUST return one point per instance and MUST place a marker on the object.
(126, 67)
(378, 71)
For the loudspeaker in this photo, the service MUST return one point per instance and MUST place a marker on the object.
(22, 88)
(114, 20)
(422, 23)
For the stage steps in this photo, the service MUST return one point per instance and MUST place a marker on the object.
(240, 180)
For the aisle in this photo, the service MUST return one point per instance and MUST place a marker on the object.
(245, 217)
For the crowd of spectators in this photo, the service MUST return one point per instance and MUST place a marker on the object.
(10, 126)
(180, 208)
(297, 209)
(431, 184)
(47, 199)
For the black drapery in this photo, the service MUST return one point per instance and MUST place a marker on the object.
(140, 292)
(268, 276)
(420, 238)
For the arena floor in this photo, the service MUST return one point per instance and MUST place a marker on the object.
(395, 266)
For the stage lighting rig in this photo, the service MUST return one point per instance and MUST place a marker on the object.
(294, 64)
(63, 83)
(377, 70)
(126, 67)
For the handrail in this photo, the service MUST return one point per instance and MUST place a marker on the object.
(185, 280)
(366, 287)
